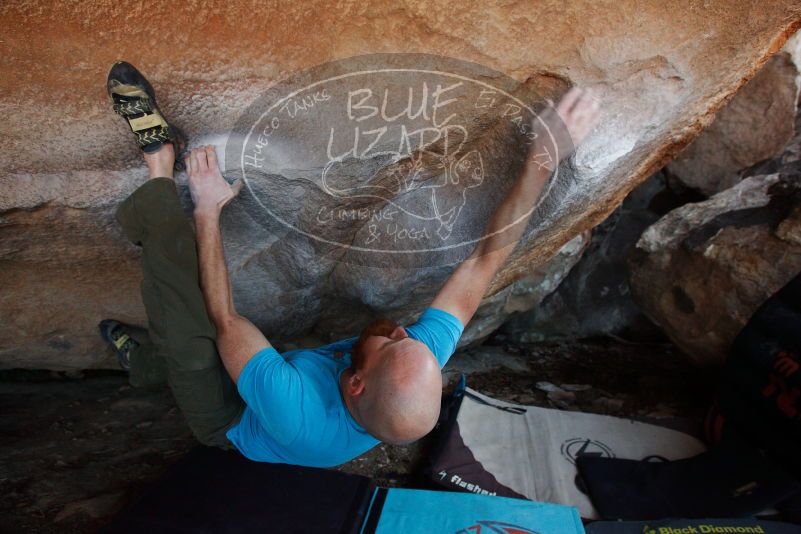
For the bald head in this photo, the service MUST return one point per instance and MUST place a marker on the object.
(402, 394)
(395, 390)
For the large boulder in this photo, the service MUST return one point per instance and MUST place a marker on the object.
(703, 269)
(662, 73)
(595, 298)
(754, 126)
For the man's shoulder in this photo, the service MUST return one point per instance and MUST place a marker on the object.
(343, 346)
(439, 330)
(318, 370)
(338, 352)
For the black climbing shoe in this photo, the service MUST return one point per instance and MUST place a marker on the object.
(135, 100)
(114, 333)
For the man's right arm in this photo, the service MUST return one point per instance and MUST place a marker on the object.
(238, 340)
(575, 115)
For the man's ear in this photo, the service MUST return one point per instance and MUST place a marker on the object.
(355, 385)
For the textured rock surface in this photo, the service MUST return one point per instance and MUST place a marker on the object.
(754, 126)
(662, 72)
(703, 269)
(595, 299)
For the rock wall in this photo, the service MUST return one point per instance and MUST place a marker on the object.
(753, 127)
(704, 269)
(594, 299)
(661, 70)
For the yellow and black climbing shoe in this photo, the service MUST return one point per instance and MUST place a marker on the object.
(114, 333)
(135, 100)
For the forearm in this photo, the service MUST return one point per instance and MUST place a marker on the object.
(566, 125)
(462, 293)
(213, 273)
(237, 339)
(507, 224)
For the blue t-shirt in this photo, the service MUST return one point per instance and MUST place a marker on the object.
(295, 413)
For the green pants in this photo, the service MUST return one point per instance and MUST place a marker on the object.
(180, 346)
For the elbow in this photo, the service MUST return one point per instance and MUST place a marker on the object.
(225, 322)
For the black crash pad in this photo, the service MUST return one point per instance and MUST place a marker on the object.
(211, 490)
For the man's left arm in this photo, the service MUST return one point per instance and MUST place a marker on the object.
(238, 340)
(576, 114)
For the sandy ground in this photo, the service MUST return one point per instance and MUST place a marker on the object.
(76, 448)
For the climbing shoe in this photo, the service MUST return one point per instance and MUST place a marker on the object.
(114, 333)
(135, 100)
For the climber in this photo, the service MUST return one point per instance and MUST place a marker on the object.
(315, 407)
